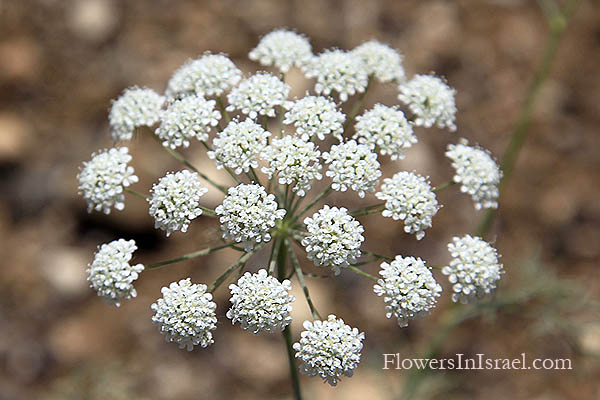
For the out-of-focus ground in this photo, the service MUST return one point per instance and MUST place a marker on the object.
(61, 62)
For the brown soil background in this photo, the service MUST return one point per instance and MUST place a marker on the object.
(63, 61)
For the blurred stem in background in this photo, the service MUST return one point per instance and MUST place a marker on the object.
(558, 18)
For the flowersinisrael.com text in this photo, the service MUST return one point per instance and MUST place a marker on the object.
(477, 362)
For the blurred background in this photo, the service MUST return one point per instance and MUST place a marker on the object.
(61, 63)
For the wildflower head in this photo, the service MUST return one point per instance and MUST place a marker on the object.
(283, 49)
(381, 61)
(329, 349)
(135, 108)
(248, 214)
(476, 172)
(175, 201)
(185, 119)
(431, 100)
(474, 269)
(111, 275)
(408, 287)
(209, 75)
(409, 197)
(103, 179)
(352, 166)
(185, 314)
(260, 303)
(338, 71)
(258, 95)
(334, 238)
(315, 116)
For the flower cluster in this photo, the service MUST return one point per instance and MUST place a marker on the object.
(239, 145)
(474, 269)
(329, 349)
(260, 303)
(283, 49)
(185, 119)
(477, 173)
(293, 160)
(186, 314)
(248, 214)
(354, 166)
(334, 238)
(209, 75)
(381, 61)
(315, 116)
(431, 100)
(111, 275)
(385, 129)
(175, 201)
(408, 287)
(258, 95)
(135, 108)
(338, 71)
(409, 197)
(103, 179)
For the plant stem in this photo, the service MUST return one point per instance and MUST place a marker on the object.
(200, 253)
(374, 209)
(287, 333)
(222, 108)
(379, 256)
(300, 276)
(312, 203)
(443, 186)
(358, 103)
(137, 194)
(242, 260)
(229, 171)
(363, 273)
(558, 21)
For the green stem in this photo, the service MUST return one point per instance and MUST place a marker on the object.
(379, 256)
(200, 253)
(179, 157)
(137, 194)
(363, 273)
(443, 186)
(300, 276)
(374, 209)
(222, 108)
(229, 171)
(239, 264)
(558, 21)
(358, 103)
(312, 203)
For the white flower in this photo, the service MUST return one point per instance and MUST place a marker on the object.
(135, 108)
(260, 303)
(329, 349)
(248, 213)
(385, 129)
(334, 238)
(102, 179)
(175, 201)
(209, 75)
(477, 173)
(187, 118)
(315, 116)
(381, 61)
(353, 166)
(111, 275)
(409, 197)
(258, 95)
(408, 287)
(186, 314)
(238, 146)
(474, 269)
(283, 49)
(293, 160)
(431, 100)
(339, 71)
